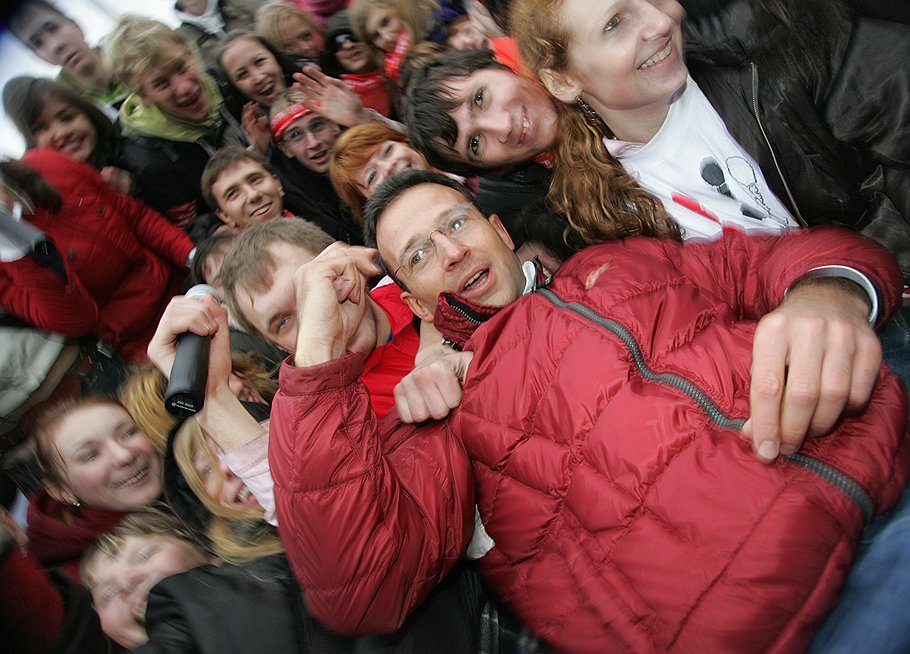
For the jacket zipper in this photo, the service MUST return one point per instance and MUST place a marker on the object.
(780, 172)
(840, 480)
(469, 315)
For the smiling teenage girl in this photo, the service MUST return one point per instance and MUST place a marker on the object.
(96, 465)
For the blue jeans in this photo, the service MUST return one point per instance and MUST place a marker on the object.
(873, 611)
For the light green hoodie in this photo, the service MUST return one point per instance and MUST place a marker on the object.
(139, 117)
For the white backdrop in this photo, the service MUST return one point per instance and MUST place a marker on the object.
(97, 18)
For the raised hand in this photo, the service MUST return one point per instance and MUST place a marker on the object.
(331, 97)
(333, 304)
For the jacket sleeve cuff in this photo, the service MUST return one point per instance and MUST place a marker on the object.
(328, 376)
(850, 274)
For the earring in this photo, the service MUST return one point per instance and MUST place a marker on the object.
(590, 115)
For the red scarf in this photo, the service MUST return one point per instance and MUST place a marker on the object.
(395, 57)
(59, 544)
(372, 89)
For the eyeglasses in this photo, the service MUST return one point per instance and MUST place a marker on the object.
(318, 127)
(340, 39)
(422, 253)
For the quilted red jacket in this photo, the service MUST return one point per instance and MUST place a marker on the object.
(124, 261)
(601, 445)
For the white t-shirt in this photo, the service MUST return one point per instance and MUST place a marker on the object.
(705, 179)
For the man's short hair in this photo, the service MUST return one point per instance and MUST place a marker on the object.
(249, 264)
(22, 11)
(392, 189)
(228, 158)
(138, 44)
(430, 103)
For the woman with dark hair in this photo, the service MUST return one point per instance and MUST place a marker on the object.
(254, 71)
(51, 115)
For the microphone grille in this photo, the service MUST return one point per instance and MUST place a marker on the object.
(200, 290)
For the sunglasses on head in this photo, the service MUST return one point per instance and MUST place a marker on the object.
(344, 36)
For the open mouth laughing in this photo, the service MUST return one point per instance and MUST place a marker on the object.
(659, 57)
(193, 104)
(319, 158)
(71, 145)
(267, 90)
(135, 479)
(261, 211)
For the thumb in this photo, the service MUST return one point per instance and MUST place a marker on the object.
(462, 361)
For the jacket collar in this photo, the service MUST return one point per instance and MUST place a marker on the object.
(457, 317)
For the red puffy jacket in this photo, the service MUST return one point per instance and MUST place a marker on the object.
(124, 261)
(627, 513)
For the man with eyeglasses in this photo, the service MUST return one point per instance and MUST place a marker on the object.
(303, 142)
(604, 432)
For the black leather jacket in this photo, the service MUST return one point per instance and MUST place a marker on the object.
(822, 101)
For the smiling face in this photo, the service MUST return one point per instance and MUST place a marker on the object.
(471, 255)
(221, 485)
(273, 311)
(503, 119)
(54, 38)
(175, 86)
(300, 38)
(383, 27)
(351, 53)
(625, 59)
(104, 460)
(310, 140)
(247, 193)
(64, 127)
(120, 593)
(391, 157)
(253, 70)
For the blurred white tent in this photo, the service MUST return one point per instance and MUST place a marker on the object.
(96, 17)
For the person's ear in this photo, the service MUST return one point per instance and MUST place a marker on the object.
(561, 86)
(418, 307)
(502, 231)
(226, 219)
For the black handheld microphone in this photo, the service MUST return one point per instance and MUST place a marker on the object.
(186, 388)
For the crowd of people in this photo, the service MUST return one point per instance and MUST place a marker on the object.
(530, 326)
